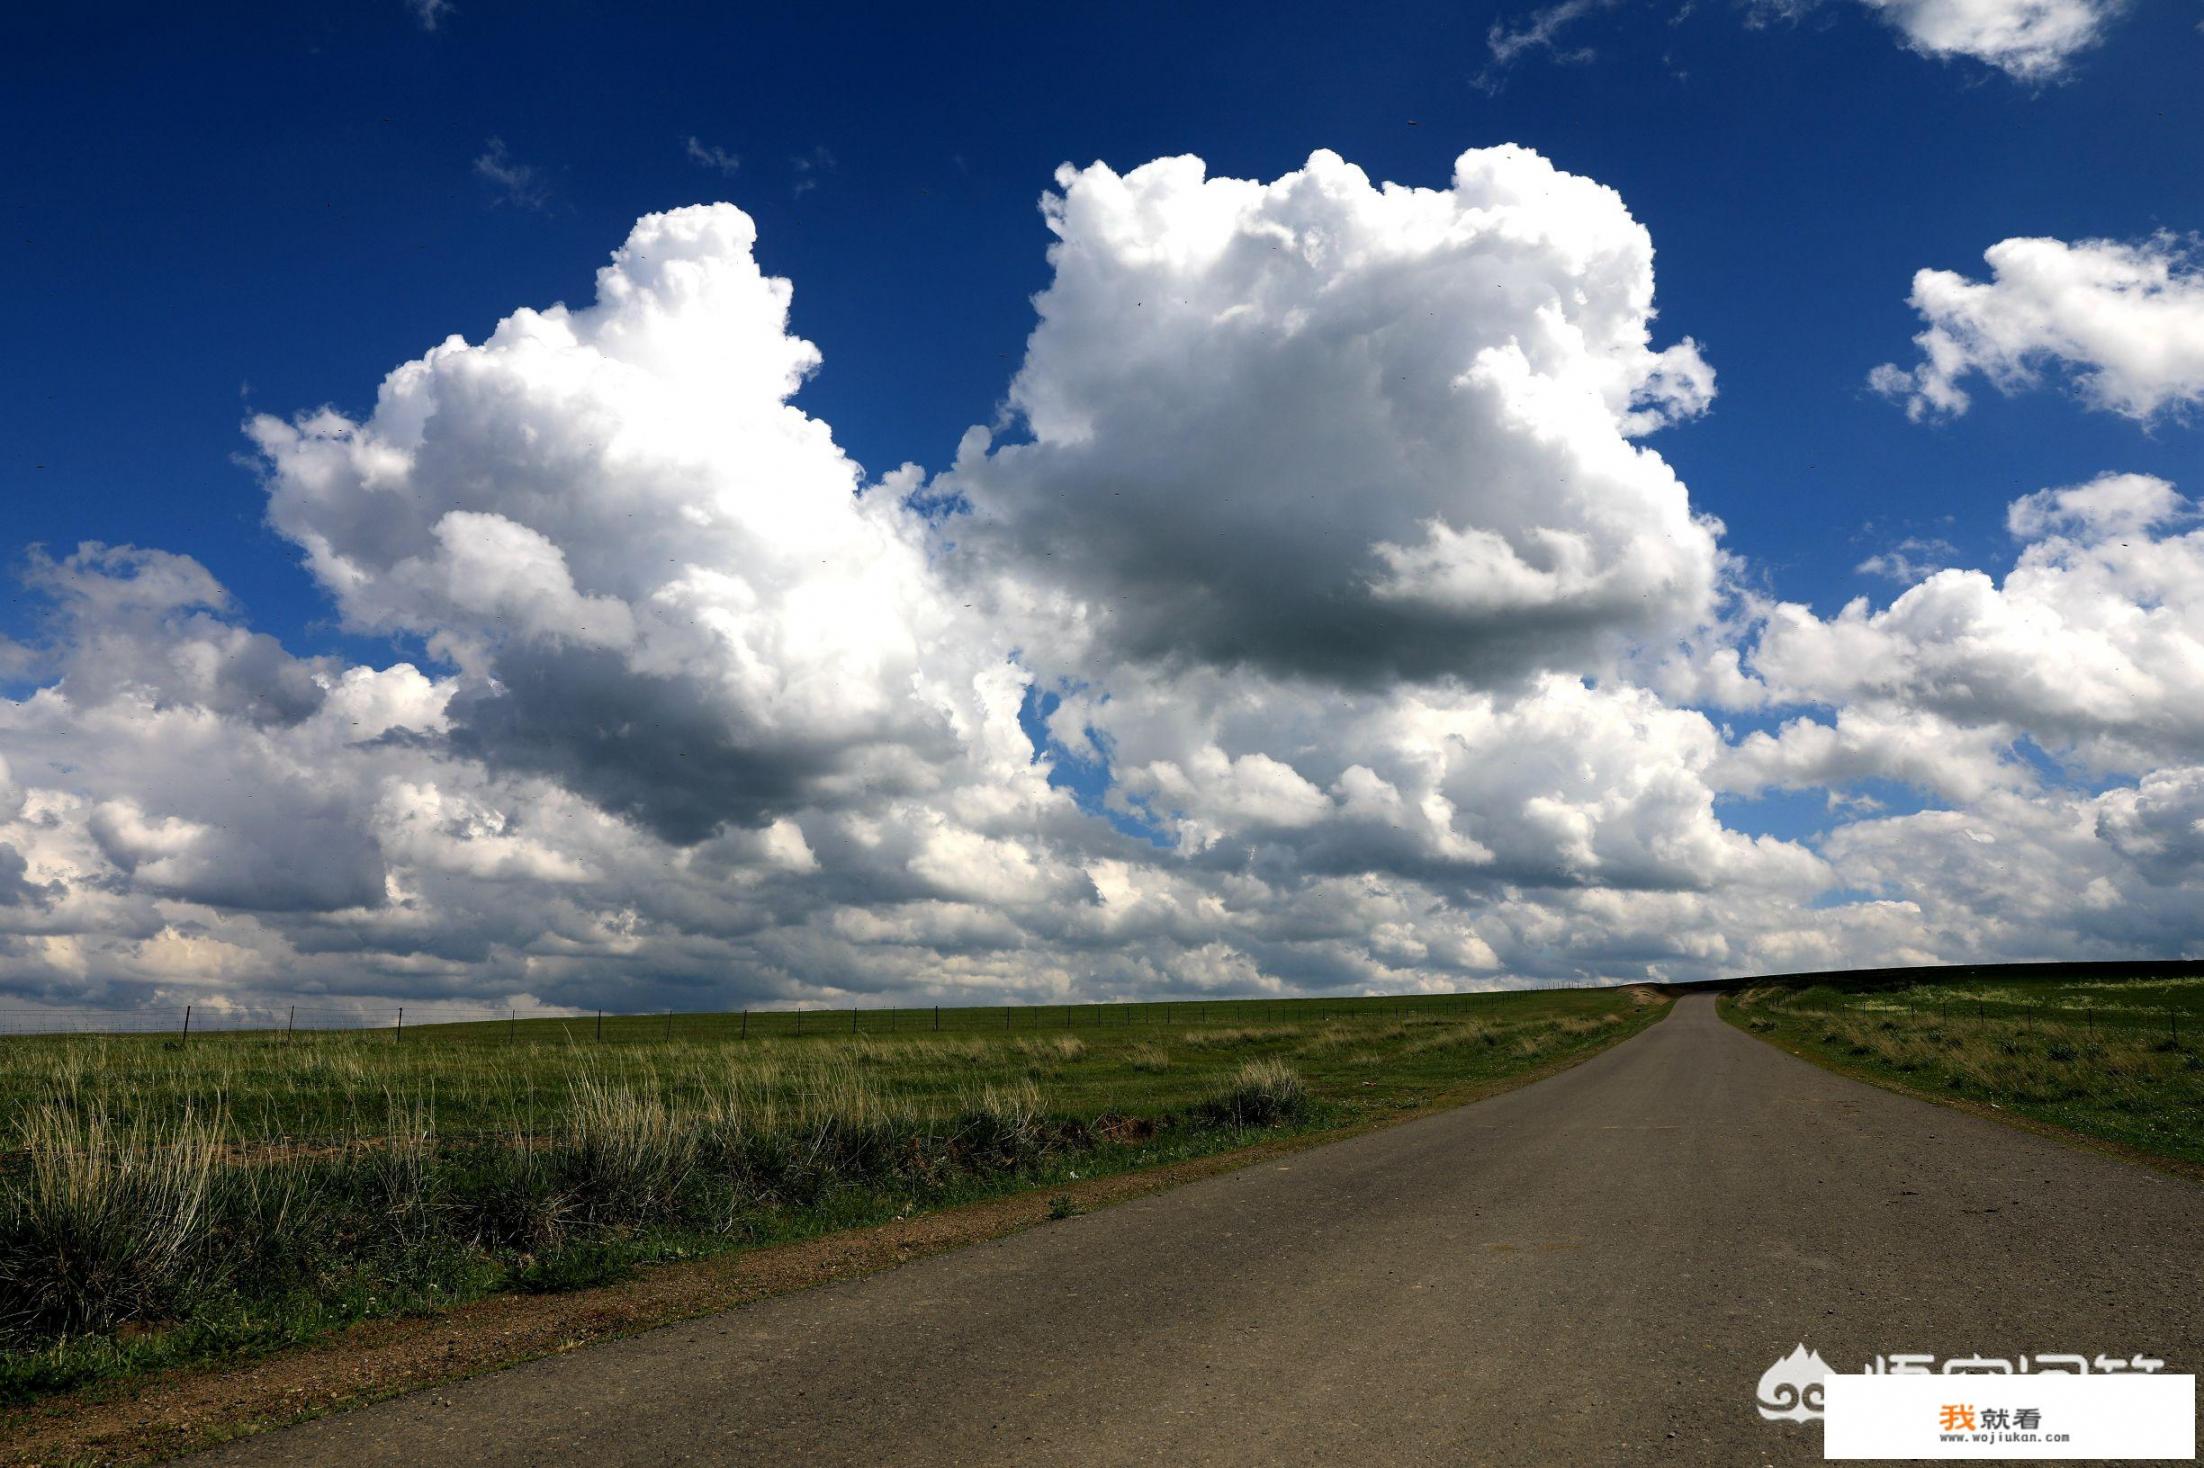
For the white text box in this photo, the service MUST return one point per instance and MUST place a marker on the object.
(2044, 1415)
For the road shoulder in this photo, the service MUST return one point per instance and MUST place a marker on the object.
(1726, 1008)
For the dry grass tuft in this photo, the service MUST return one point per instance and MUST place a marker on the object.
(106, 1226)
(1264, 1093)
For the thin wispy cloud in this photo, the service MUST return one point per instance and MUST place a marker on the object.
(1541, 32)
(518, 184)
(1916, 558)
(2031, 41)
(712, 156)
(431, 14)
(810, 168)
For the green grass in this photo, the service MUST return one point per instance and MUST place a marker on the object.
(2103, 1000)
(494, 1076)
(2118, 1060)
(967, 1019)
(163, 1203)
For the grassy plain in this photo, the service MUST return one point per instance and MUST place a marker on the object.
(2120, 1060)
(164, 1203)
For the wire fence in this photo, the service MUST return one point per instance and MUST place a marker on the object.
(194, 1019)
(2169, 1020)
(446, 1023)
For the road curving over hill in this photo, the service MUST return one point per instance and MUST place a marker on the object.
(1596, 1268)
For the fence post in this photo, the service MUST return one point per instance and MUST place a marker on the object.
(291, 1023)
(853, 1019)
(1006, 1018)
(937, 1019)
(669, 1024)
(600, 1027)
(512, 1025)
(187, 1024)
(799, 1019)
(746, 1024)
(400, 1032)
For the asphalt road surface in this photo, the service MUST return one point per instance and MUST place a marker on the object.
(1595, 1269)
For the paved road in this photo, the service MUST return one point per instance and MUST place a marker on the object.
(1595, 1269)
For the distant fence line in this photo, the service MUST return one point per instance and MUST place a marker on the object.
(184, 1022)
(1981, 1010)
(172, 1019)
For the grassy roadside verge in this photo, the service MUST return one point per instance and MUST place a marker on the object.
(1358, 1077)
(2092, 1075)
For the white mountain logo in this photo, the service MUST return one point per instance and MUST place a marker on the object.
(1790, 1390)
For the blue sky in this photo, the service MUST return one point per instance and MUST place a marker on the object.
(577, 668)
(271, 209)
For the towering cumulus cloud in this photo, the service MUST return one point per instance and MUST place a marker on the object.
(657, 578)
(1320, 549)
(1320, 503)
(1318, 425)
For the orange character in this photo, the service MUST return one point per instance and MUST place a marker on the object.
(1958, 1417)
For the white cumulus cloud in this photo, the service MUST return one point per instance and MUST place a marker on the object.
(2033, 40)
(1322, 533)
(663, 582)
(2092, 645)
(1356, 430)
(2124, 321)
